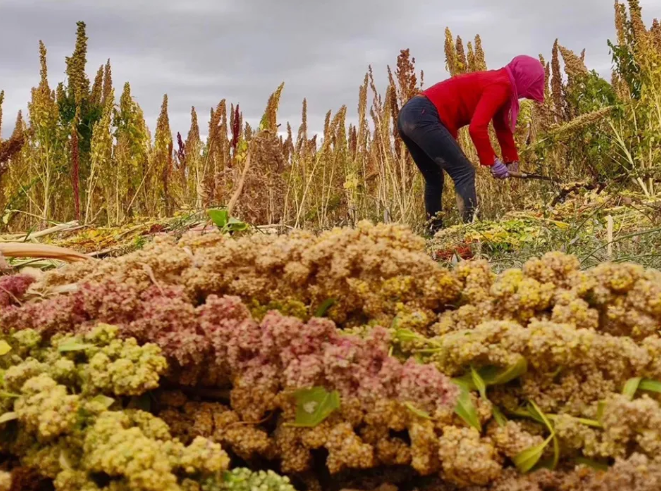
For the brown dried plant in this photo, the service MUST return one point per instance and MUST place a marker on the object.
(470, 57)
(450, 53)
(462, 63)
(480, 60)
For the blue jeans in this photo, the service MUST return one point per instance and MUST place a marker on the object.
(434, 150)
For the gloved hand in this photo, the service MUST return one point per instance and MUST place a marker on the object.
(513, 167)
(499, 170)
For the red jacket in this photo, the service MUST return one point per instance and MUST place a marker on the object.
(475, 99)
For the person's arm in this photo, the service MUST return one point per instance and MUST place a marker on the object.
(492, 100)
(505, 137)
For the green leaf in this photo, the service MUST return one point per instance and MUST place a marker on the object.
(314, 405)
(236, 225)
(9, 395)
(104, 400)
(479, 383)
(4, 347)
(466, 410)
(404, 335)
(73, 345)
(499, 416)
(323, 308)
(650, 385)
(536, 414)
(529, 412)
(527, 459)
(7, 417)
(219, 217)
(28, 234)
(589, 422)
(593, 464)
(499, 376)
(492, 375)
(465, 381)
(418, 412)
(539, 415)
(631, 387)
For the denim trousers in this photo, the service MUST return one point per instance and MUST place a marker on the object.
(434, 151)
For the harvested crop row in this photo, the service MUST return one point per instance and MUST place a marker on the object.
(71, 412)
(552, 366)
(371, 275)
(372, 272)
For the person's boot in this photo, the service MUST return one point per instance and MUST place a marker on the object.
(433, 226)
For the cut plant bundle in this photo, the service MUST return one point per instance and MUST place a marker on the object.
(316, 361)
(13, 249)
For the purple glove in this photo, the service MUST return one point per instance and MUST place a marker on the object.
(499, 170)
(513, 167)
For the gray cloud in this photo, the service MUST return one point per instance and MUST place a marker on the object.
(200, 51)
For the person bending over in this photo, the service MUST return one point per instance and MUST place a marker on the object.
(428, 124)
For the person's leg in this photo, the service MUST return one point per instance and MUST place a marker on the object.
(422, 125)
(433, 176)
(430, 170)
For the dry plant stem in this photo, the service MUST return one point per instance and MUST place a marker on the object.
(630, 159)
(52, 230)
(199, 187)
(117, 204)
(137, 191)
(90, 193)
(32, 202)
(323, 218)
(324, 187)
(620, 239)
(27, 213)
(285, 211)
(47, 187)
(150, 272)
(239, 187)
(307, 186)
(610, 236)
(23, 249)
(388, 172)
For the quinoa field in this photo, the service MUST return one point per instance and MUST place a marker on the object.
(261, 310)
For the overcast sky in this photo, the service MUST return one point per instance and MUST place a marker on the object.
(200, 51)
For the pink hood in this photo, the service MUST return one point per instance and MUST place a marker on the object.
(527, 77)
